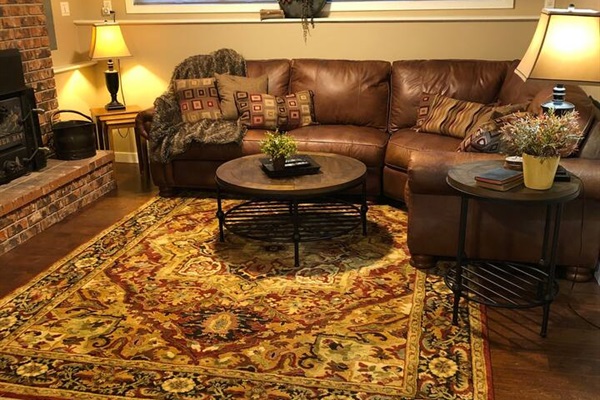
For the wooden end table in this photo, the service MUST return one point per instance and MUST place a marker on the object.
(294, 209)
(508, 284)
(107, 120)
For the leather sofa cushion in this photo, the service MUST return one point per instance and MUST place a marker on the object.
(428, 170)
(345, 92)
(363, 143)
(211, 152)
(411, 78)
(407, 141)
(277, 71)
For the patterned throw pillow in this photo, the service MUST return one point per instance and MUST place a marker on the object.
(198, 99)
(450, 117)
(261, 110)
(257, 110)
(228, 84)
(486, 139)
(296, 110)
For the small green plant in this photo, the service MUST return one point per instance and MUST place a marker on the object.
(278, 144)
(544, 135)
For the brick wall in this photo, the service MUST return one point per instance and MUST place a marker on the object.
(23, 27)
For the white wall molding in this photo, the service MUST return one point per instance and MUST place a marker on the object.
(365, 19)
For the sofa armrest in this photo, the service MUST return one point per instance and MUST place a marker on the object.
(143, 123)
(427, 170)
(589, 172)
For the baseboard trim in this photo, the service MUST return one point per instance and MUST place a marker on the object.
(126, 157)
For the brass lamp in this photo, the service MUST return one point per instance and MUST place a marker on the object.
(108, 43)
(564, 48)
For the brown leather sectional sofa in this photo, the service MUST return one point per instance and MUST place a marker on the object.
(367, 110)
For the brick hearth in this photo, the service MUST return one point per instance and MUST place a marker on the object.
(34, 202)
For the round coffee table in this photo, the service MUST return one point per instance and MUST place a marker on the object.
(292, 209)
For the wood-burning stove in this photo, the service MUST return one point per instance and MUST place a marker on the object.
(20, 136)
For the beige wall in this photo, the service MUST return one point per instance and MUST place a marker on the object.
(159, 42)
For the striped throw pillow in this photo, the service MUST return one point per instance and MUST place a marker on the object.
(451, 117)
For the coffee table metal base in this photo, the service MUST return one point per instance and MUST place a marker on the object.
(293, 221)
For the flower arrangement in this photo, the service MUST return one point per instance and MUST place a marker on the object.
(278, 145)
(544, 135)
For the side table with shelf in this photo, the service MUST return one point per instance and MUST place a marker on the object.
(505, 283)
(107, 121)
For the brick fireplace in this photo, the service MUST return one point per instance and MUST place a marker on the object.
(23, 27)
(39, 199)
(34, 202)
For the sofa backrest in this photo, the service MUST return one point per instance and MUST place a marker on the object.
(590, 148)
(345, 92)
(277, 71)
(471, 80)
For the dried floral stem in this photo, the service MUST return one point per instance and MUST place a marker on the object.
(545, 135)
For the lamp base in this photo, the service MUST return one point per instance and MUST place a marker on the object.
(558, 109)
(112, 84)
(114, 105)
(558, 105)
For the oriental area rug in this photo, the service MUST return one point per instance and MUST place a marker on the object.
(156, 307)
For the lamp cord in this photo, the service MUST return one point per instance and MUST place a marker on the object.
(573, 308)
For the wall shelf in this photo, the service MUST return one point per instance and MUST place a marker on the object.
(61, 69)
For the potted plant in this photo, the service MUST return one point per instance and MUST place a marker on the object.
(306, 10)
(541, 140)
(279, 146)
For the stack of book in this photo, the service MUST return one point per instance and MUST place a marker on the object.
(499, 179)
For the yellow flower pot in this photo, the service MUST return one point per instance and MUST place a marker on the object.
(538, 172)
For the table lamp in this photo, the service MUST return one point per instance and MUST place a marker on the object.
(564, 48)
(108, 43)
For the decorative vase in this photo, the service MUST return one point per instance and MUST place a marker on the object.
(278, 163)
(538, 172)
(293, 8)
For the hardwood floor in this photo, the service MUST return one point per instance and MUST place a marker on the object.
(565, 365)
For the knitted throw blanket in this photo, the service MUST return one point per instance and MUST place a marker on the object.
(169, 134)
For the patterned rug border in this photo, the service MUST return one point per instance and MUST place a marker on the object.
(477, 319)
(73, 253)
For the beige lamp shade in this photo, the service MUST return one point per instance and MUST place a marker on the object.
(565, 47)
(107, 42)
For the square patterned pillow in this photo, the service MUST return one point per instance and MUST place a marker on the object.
(261, 110)
(296, 110)
(486, 139)
(198, 99)
(257, 110)
(229, 84)
(450, 117)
